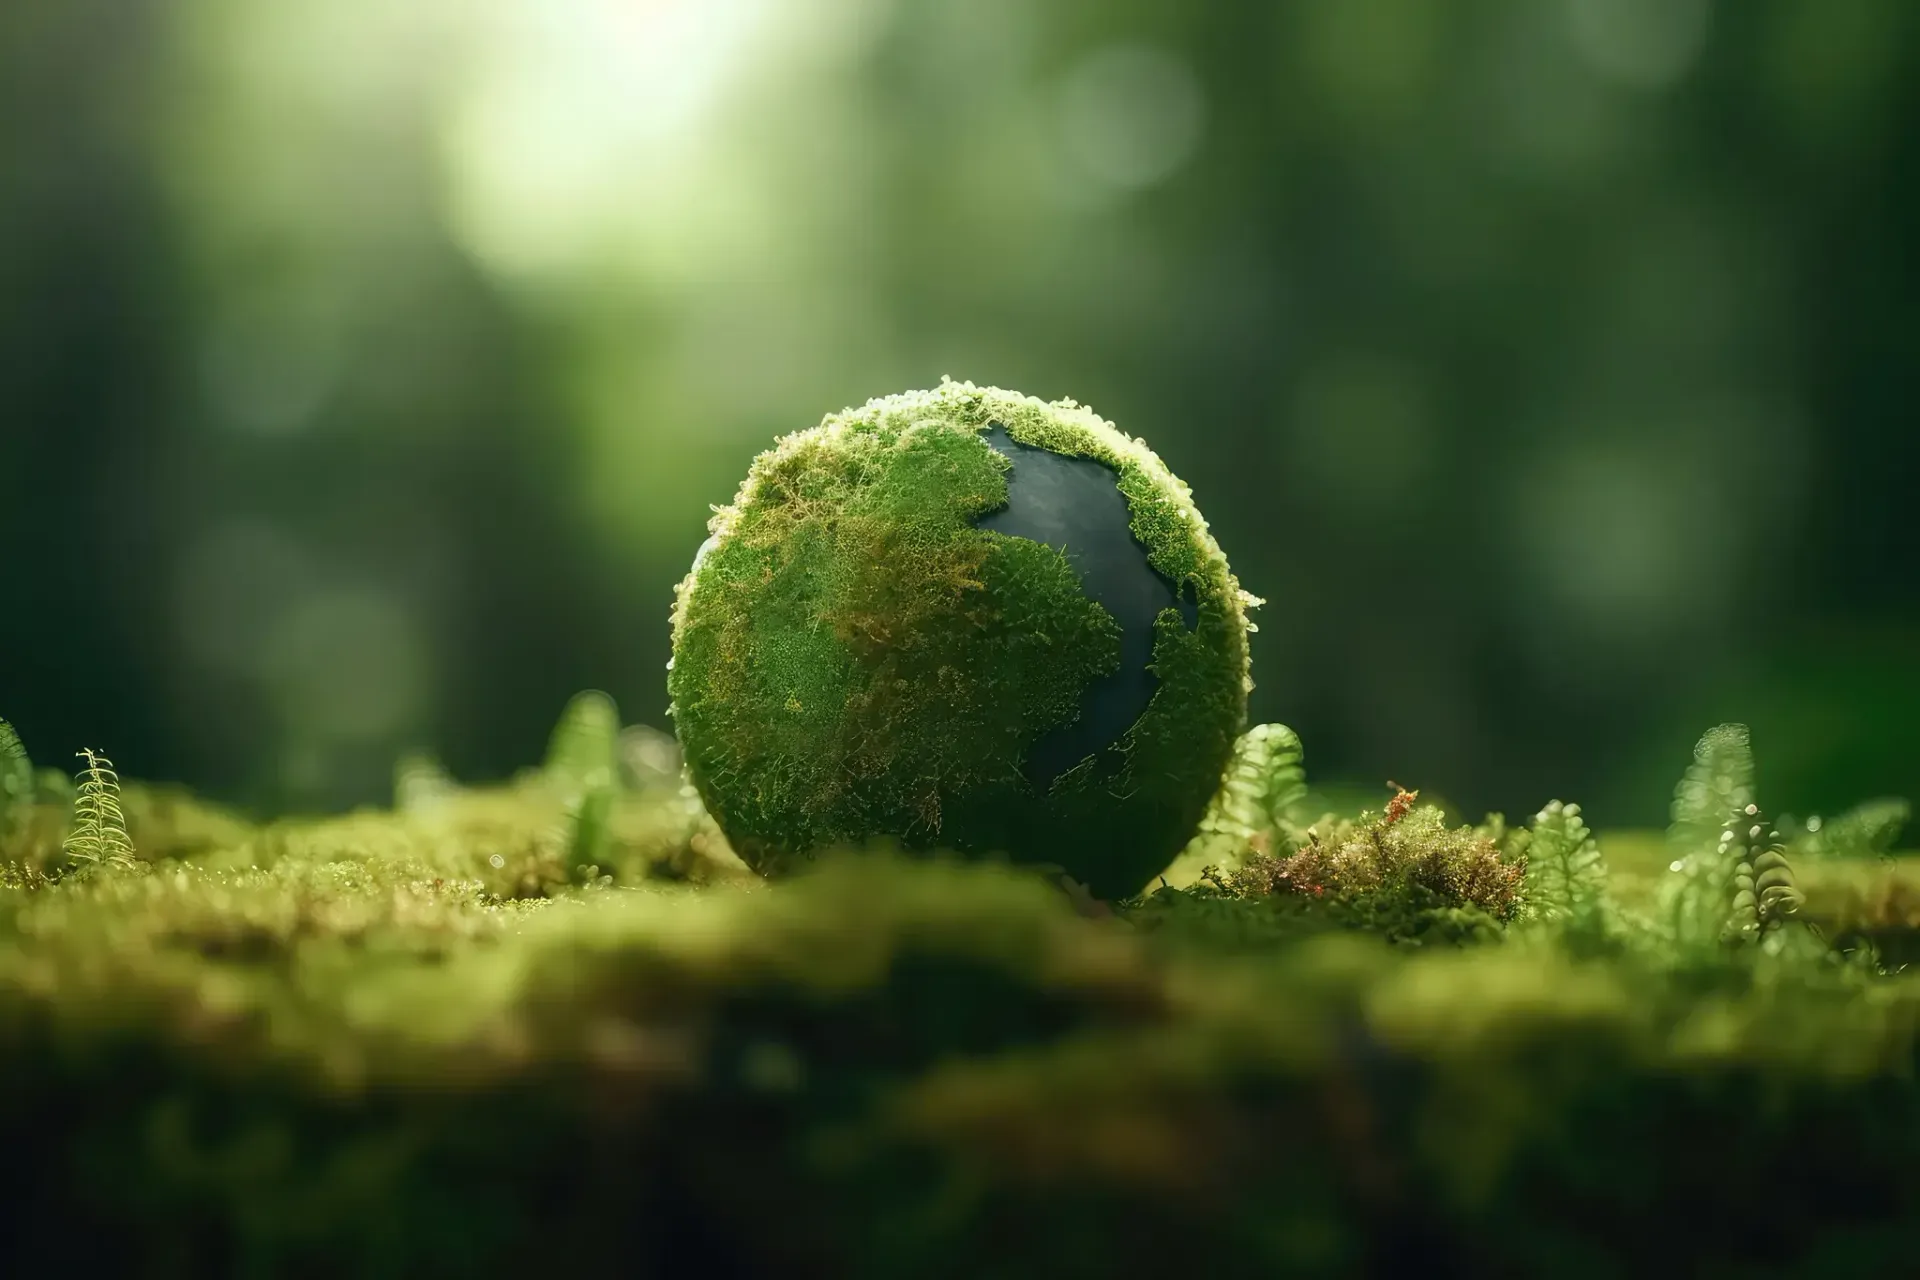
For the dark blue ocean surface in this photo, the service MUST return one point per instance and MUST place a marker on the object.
(1075, 505)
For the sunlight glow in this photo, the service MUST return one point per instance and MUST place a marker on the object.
(583, 124)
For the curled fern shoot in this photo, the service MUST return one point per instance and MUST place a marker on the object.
(98, 836)
(1764, 891)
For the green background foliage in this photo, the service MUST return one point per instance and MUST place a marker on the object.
(367, 370)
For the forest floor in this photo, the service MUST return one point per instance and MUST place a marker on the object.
(481, 1032)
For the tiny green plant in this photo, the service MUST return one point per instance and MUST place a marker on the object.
(16, 778)
(98, 837)
(1732, 881)
(583, 767)
(1566, 877)
(1266, 782)
(583, 755)
(1697, 897)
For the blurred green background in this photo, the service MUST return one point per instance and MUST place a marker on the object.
(367, 369)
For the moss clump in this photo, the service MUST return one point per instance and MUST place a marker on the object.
(1406, 847)
(1400, 872)
(424, 1042)
(855, 658)
(350, 1061)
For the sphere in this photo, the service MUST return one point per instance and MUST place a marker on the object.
(961, 619)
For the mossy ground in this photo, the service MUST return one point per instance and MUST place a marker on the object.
(853, 657)
(432, 1041)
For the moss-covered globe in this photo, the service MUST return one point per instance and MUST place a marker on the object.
(961, 619)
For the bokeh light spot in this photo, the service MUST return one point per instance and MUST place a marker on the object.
(1131, 115)
(349, 664)
(1373, 61)
(1646, 44)
(233, 585)
(584, 123)
(269, 371)
(1632, 540)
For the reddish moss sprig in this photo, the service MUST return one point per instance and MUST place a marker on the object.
(1405, 852)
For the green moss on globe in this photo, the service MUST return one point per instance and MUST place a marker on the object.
(857, 658)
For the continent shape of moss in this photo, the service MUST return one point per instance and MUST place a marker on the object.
(854, 658)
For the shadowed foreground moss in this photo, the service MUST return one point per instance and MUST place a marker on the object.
(430, 1042)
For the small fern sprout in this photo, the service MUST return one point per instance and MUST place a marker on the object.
(16, 778)
(1264, 784)
(1719, 782)
(98, 836)
(583, 753)
(1695, 899)
(1566, 875)
(588, 834)
(583, 768)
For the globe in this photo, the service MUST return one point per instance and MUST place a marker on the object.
(967, 620)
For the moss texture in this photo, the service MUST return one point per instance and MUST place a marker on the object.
(414, 1044)
(853, 658)
(557, 1026)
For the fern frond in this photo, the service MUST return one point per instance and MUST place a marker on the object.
(1867, 831)
(1265, 781)
(16, 777)
(1566, 874)
(590, 834)
(583, 767)
(584, 752)
(1719, 783)
(98, 835)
